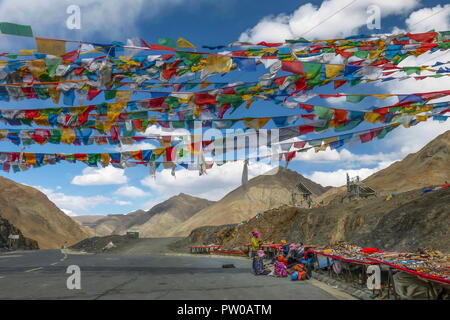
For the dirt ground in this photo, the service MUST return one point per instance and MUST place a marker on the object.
(126, 246)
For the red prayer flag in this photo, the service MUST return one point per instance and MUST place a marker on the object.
(305, 129)
(266, 44)
(204, 98)
(170, 153)
(340, 115)
(307, 107)
(289, 156)
(338, 83)
(366, 137)
(299, 144)
(422, 37)
(92, 93)
(292, 66)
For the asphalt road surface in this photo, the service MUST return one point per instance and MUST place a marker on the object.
(42, 274)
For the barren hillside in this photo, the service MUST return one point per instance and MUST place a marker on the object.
(261, 193)
(407, 222)
(37, 217)
(429, 166)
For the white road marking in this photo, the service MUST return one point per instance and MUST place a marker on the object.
(34, 269)
(52, 264)
(10, 256)
(1, 277)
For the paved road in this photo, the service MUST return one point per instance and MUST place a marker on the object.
(42, 275)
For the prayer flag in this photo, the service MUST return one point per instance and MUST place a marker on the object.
(16, 29)
(49, 46)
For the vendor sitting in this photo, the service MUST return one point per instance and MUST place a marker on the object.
(285, 248)
(258, 264)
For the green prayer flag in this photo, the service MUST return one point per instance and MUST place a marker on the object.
(315, 143)
(167, 42)
(26, 121)
(355, 99)
(311, 69)
(299, 40)
(55, 136)
(362, 54)
(178, 124)
(323, 112)
(110, 94)
(16, 29)
(354, 82)
(51, 64)
(42, 92)
(411, 70)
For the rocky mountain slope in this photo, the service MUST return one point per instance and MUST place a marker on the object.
(162, 218)
(429, 166)
(114, 223)
(88, 220)
(23, 243)
(407, 222)
(157, 221)
(37, 217)
(261, 193)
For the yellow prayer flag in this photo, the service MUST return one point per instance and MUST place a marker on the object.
(382, 96)
(114, 110)
(371, 117)
(424, 109)
(42, 120)
(329, 140)
(183, 43)
(37, 67)
(159, 151)
(30, 158)
(374, 54)
(205, 84)
(216, 63)
(68, 136)
(323, 147)
(104, 158)
(50, 46)
(26, 52)
(55, 94)
(420, 118)
(169, 165)
(249, 103)
(256, 123)
(123, 96)
(196, 68)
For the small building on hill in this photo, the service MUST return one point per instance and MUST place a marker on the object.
(356, 189)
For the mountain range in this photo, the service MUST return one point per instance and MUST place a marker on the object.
(39, 219)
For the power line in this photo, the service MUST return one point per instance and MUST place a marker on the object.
(328, 18)
(432, 15)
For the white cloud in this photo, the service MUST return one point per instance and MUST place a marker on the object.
(131, 192)
(123, 203)
(437, 18)
(70, 213)
(324, 22)
(134, 147)
(410, 140)
(338, 178)
(213, 186)
(115, 18)
(101, 176)
(70, 203)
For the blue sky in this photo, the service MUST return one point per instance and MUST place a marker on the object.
(80, 190)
